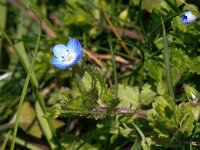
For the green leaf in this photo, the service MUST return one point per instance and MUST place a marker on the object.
(194, 109)
(162, 87)
(44, 125)
(149, 5)
(185, 119)
(137, 144)
(147, 94)
(195, 65)
(161, 117)
(144, 140)
(53, 112)
(179, 67)
(154, 69)
(129, 96)
(88, 96)
(113, 138)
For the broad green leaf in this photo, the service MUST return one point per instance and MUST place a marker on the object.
(162, 117)
(149, 5)
(129, 96)
(154, 69)
(147, 94)
(195, 65)
(161, 87)
(193, 108)
(179, 66)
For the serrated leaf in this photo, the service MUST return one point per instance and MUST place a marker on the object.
(86, 97)
(53, 112)
(162, 118)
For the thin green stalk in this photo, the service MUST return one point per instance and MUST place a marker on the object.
(141, 135)
(3, 10)
(87, 140)
(6, 138)
(6, 126)
(24, 93)
(21, 54)
(113, 28)
(166, 56)
(141, 17)
(134, 71)
(114, 66)
(156, 28)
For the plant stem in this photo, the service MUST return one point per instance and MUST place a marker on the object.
(114, 66)
(113, 28)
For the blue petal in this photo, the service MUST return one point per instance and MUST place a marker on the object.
(74, 46)
(60, 50)
(78, 57)
(184, 18)
(188, 17)
(57, 62)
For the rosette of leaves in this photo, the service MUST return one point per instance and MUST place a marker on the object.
(173, 125)
(89, 96)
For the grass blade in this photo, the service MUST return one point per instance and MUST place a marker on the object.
(141, 135)
(166, 56)
(114, 66)
(24, 92)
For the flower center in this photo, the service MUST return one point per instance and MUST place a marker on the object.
(68, 58)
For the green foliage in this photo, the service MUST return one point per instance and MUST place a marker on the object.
(191, 93)
(147, 94)
(171, 123)
(88, 106)
(129, 96)
(89, 96)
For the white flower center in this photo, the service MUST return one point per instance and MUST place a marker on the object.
(68, 59)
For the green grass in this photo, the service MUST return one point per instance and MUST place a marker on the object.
(124, 93)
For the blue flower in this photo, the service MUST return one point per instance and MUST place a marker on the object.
(188, 17)
(66, 56)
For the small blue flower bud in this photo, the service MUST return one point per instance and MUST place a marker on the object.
(188, 17)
